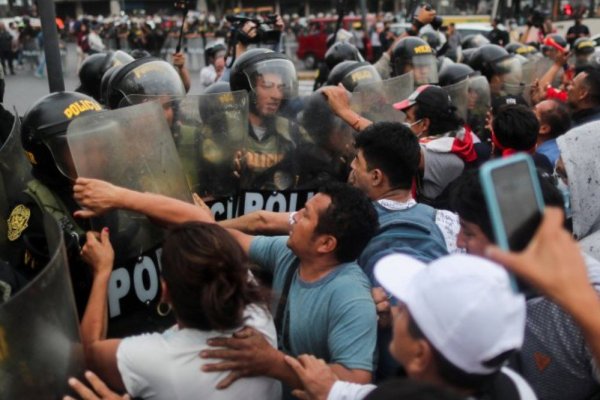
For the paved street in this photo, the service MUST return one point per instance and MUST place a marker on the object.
(24, 88)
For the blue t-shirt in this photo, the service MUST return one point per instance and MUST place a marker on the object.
(333, 318)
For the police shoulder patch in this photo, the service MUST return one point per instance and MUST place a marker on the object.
(17, 221)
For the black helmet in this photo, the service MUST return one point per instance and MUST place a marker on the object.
(145, 76)
(255, 62)
(584, 46)
(218, 87)
(521, 49)
(105, 81)
(212, 50)
(466, 55)
(139, 53)
(474, 41)
(351, 74)
(44, 128)
(432, 39)
(341, 51)
(486, 59)
(454, 73)
(414, 52)
(94, 67)
(584, 53)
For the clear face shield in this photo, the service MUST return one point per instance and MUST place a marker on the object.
(276, 78)
(425, 70)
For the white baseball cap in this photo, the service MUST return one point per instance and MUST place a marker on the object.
(464, 305)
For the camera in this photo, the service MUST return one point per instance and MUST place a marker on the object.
(437, 21)
(265, 29)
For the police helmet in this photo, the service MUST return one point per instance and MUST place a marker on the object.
(145, 77)
(352, 74)
(521, 49)
(43, 132)
(218, 87)
(341, 51)
(414, 52)
(488, 58)
(93, 68)
(256, 62)
(432, 38)
(584, 46)
(454, 73)
(474, 41)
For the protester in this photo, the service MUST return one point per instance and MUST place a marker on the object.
(554, 120)
(553, 359)
(578, 30)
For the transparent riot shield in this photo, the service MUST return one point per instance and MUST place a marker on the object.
(376, 101)
(459, 94)
(208, 131)
(40, 347)
(478, 103)
(15, 172)
(528, 71)
(130, 147)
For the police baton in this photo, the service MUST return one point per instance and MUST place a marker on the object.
(56, 82)
(183, 5)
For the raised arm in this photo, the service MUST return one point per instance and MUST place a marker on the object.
(100, 354)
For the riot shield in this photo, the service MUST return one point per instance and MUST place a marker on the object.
(459, 94)
(208, 130)
(15, 172)
(376, 100)
(133, 148)
(39, 332)
(479, 102)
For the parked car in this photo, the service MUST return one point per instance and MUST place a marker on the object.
(312, 45)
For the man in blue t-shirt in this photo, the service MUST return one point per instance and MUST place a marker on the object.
(325, 306)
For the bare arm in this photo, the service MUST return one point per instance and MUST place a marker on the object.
(184, 74)
(98, 197)
(260, 222)
(100, 354)
(549, 76)
(337, 98)
(249, 354)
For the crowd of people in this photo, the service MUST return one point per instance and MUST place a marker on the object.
(333, 246)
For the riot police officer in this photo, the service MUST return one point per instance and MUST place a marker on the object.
(498, 66)
(414, 54)
(270, 80)
(44, 137)
(337, 53)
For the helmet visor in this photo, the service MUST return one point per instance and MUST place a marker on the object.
(425, 69)
(273, 76)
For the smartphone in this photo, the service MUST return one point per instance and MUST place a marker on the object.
(514, 200)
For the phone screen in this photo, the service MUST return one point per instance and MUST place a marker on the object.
(517, 202)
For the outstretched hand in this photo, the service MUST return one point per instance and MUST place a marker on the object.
(96, 197)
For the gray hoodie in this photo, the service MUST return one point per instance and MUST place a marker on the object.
(580, 152)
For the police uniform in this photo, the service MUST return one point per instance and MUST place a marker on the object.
(45, 125)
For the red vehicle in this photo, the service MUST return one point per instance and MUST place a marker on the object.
(312, 45)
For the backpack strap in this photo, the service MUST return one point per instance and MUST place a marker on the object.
(282, 306)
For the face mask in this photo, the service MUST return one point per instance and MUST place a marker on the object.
(409, 125)
(566, 193)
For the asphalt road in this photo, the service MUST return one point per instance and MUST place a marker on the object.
(24, 88)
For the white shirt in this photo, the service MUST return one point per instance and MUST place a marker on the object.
(353, 391)
(447, 221)
(208, 76)
(168, 365)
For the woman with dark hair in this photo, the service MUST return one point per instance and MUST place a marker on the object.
(207, 284)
